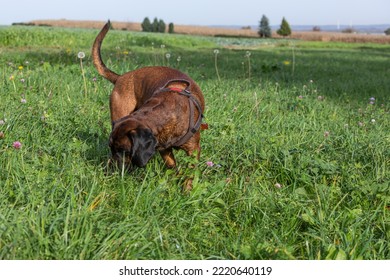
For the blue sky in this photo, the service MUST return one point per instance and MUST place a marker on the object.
(203, 12)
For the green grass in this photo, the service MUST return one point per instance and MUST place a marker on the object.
(301, 159)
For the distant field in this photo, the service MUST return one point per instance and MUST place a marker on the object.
(295, 163)
(209, 31)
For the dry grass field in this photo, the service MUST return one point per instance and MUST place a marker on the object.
(211, 31)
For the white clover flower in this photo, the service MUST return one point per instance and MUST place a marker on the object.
(81, 55)
(278, 186)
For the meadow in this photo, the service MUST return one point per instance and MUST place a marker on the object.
(294, 165)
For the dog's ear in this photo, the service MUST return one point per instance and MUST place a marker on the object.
(143, 146)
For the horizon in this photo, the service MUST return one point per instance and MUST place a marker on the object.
(207, 13)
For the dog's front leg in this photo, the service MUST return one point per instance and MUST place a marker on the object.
(168, 157)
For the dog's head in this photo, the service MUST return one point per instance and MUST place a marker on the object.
(132, 144)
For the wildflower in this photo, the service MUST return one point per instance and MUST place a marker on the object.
(2, 122)
(20, 67)
(320, 98)
(168, 55)
(44, 116)
(125, 52)
(17, 145)
(373, 121)
(300, 97)
(216, 51)
(23, 100)
(11, 78)
(326, 134)
(81, 55)
(286, 62)
(361, 124)
(94, 79)
(278, 186)
(248, 54)
(311, 81)
(22, 80)
(210, 163)
(162, 46)
(178, 59)
(372, 99)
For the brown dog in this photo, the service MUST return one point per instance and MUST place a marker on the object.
(152, 109)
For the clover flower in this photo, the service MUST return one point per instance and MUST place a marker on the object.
(210, 163)
(278, 186)
(23, 100)
(17, 145)
(326, 134)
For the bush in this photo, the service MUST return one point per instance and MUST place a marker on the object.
(316, 29)
(349, 30)
(387, 31)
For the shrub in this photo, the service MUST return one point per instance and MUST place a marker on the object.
(387, 31)
(316, 29)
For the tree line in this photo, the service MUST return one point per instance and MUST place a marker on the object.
(158, 25)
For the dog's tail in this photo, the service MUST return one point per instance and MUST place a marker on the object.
(97, 59)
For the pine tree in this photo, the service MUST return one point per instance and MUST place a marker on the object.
(284, 29)
(171, 28)
(161, 26)
(155, 25)
(146, 25)
(264, 28)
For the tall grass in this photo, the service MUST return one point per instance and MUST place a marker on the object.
(300, 161)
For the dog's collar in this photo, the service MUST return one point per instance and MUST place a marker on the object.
(193, 126)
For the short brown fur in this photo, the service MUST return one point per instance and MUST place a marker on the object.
(136, 105)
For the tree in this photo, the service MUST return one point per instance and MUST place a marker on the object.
(264, 28)
(171, 28)
(155, 25)
(161, 26)
(387, 31)
(284, 29)
(146, 25)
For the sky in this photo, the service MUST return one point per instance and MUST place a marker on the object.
(203, 12)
